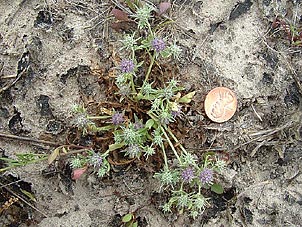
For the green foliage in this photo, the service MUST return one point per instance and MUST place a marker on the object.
(22, 160)
(217, 188)
(129, 220)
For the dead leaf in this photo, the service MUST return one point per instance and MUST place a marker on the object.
(163, 7)
(53, 155)
(120, 26)
(187, 98)
(77, 173)
(120, 15)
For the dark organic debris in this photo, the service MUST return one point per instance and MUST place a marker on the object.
(267, 2)
(43, 20)
(115, 221)
(271, 59)
(124, 26)
(84, 83)
(268, 78)
(54, 127)
(15, 123)
(248, 215)
(70, 72)
(240, 8)
(43, 104)
(23, 63)
(289, 30)
(220, 203)
(214, 26)
(4, 112)
(293, 96)
(66, 33)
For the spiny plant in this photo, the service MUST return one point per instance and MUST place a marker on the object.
(141, 123)
(147, 132)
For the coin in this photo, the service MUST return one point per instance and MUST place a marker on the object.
(220, 104)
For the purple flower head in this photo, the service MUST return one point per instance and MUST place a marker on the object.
(187, 175)
(133, 151)
(138, 125)
(96, 160)
(127, 66)
(158, 44)
(177, 113)
(118, 118)
(206, 176)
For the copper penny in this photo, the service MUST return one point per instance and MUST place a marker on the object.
(220, 104)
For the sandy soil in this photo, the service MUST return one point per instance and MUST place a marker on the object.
(53, 48)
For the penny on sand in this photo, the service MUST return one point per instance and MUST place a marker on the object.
(220, 104)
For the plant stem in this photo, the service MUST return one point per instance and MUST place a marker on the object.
(181, 186)
(171, 145)
(133, 53)
(98, 117)
(150, 30)
(132, 85)
(165, 155)
(168, 139)
(176, 140)
(104, 128)
(150, 68)
(8, 136)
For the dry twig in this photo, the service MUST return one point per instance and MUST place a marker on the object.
(8, 136)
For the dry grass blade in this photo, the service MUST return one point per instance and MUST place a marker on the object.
(12, 83)
(254, 151)
(264, 134)
(5, 185)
